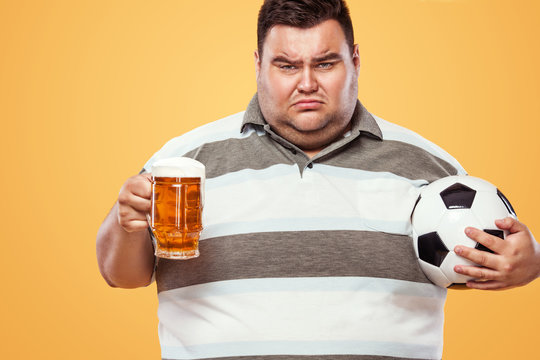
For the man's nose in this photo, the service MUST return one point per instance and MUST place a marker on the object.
(308, 81)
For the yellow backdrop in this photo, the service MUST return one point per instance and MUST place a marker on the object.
(90, 89)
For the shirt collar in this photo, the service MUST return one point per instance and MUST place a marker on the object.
(362, 121)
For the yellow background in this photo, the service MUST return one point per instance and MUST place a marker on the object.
(89, 90)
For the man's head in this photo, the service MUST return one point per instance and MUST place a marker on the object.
(303, 14)
(307, 70)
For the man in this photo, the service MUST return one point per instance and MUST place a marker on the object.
(306, 249)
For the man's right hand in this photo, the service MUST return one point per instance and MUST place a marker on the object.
(134, 202)
(124, 249)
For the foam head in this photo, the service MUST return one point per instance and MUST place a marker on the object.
(178, 167)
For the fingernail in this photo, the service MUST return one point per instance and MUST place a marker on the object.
(457, 269)
(458, 250)
(468, 231)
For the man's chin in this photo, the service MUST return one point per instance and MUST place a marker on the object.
(310, 140)
(307, 123)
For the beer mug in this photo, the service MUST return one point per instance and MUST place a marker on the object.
(177, 203)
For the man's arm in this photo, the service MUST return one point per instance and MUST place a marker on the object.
(516, 260)
(124, 249)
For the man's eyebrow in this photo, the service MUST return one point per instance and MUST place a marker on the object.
(318, 59)
(284, 59)
(328, 57)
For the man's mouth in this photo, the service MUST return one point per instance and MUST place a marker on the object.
(307, 104)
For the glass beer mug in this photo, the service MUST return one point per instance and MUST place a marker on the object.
(177, 203)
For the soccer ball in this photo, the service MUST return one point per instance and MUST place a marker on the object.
(442, 212)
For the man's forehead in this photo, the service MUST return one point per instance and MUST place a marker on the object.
(290, 41)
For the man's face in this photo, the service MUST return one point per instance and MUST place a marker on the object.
(307, 83)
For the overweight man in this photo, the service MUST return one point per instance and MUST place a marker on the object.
(306, 250)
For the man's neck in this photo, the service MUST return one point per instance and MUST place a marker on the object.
(312, 153)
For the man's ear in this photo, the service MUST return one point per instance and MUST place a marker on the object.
(257, 63)
(356, 58)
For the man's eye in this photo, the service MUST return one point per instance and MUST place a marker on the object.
(326, 65)
(287, 67)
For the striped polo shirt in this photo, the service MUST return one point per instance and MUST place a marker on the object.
(304, 258)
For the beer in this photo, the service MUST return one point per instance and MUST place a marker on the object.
(177, 203)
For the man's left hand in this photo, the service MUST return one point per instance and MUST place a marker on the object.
(515, 262)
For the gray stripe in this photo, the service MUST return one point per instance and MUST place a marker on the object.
(363, 150)
(253, 152)
(311, 357)
(363, 153)
(295, 254)
(397, 157)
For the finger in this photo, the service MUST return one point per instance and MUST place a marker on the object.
(128, 213)
(477, 273)
(139, 185)
(132, 220)
(136, 225)
(136, 202)
(487, 285)
(511, 224)
(480, 257)
(494, 243)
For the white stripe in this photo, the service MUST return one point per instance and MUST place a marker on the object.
(223, 129)
(319, 200)
(308, 284)
(329, 171)
(393, 131)
(342, 315)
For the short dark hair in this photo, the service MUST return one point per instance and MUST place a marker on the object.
(303, 14)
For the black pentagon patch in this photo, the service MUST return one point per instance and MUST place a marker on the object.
(458, 196)
(506, 203)
(497, 233)
(483, 248)
(431, 249)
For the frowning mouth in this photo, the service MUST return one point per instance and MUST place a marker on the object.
(308, 104)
